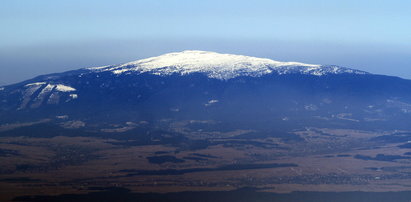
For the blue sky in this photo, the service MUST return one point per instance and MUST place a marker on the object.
(45, 36)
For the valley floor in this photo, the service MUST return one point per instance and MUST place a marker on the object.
(319, 160)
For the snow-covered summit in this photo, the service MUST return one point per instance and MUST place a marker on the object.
(219, 66)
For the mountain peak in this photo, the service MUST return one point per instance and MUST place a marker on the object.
(219, 66)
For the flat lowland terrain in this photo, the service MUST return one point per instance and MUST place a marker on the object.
(313, 159)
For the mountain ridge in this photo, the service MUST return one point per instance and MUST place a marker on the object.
(220, 66)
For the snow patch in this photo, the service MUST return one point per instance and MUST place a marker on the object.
(96, 68)
(59, 87)
(49, 92)
(62, 117)
(73, 96)
(63, 88)
(211, 102)
(311, 107)
(35, 84)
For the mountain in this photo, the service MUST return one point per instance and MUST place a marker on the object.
(198, 121)
(199, 85)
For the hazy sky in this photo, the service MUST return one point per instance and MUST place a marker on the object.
(44, 36)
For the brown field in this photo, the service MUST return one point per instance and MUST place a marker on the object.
(324, 162)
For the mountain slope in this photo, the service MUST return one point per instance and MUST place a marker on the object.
(199, 85)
